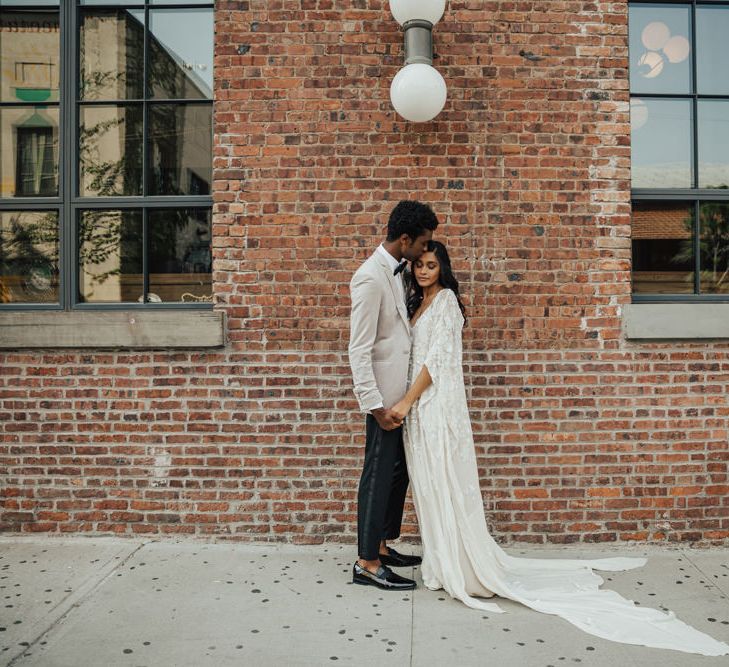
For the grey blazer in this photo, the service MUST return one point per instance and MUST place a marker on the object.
(379, 341)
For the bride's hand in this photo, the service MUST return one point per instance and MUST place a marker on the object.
(401, 409)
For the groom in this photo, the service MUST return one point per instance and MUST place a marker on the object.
(379, 354)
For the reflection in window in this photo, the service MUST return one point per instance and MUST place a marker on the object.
(713, 145)
(179, 255)
(110, 150)
(659, 42)
(29, 155)
(36, 172)
(712, 28)
(28, 256)
(110, 256)
(663, 248)
(181, 145)
(714, 247)
(30, 49)
(111, 55)
(661, 143)
(181, 54)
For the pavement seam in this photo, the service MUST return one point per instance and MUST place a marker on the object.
(709, 578)
(412, 623)
(76, 599)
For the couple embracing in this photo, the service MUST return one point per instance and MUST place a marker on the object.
(405, 352)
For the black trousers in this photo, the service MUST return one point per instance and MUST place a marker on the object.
(382, 489)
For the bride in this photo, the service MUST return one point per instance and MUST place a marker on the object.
(459, 554)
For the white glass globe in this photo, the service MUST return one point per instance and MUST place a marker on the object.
(655, 35)
(418, 92)
(650, 64)
(677, 49)
(407, 10)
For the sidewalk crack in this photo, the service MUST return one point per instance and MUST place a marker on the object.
(85, 591)
(709, 578)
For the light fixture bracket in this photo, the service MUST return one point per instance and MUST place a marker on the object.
(418, 41)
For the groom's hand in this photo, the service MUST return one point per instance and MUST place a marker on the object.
(387, 419)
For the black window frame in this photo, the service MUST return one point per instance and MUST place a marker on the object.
(693, 196)
(69, 203)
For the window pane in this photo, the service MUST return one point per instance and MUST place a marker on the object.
(179, 255)
(28, 256)
(29, 151)
(714, 245)
(110, 150)
(713, 143)
(181, 53)
(111, 55)
(663, 255)
(661, 143)
(712, 28)
(110, 2)
(30, 49)
(28, 3)
(659, 43)
(180, 150)
(110, 256)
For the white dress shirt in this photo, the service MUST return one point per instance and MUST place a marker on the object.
(393, 263)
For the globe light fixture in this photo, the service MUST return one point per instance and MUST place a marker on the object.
(418, 91)
(650, 64)
(655, 35)
(410, 10)
(677, 49)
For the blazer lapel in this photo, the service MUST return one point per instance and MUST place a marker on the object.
(401, 308)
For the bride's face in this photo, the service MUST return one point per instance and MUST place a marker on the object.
(427, 269)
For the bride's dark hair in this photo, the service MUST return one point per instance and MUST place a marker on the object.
(445, 278)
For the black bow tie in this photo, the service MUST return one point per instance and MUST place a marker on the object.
(400, 267)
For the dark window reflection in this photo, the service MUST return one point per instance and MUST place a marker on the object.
(663, 252)
(714, 246)
(179, 255)
(110, 256)
(181, 53)
(111, 55)
(110, 150)
(28, 151)
(180, 150)
(661, 143)
(28, 256)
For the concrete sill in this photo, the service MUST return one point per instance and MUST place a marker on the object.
(661, 321)
(135, 329)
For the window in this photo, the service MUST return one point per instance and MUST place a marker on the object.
(105, 154)
(679, 109)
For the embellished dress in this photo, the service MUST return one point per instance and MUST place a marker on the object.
(459, 554)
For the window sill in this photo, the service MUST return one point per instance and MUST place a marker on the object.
(134, 329)
(661, 321)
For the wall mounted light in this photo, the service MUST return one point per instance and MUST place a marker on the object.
(418, 91)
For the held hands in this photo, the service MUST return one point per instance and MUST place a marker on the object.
(387, 419)
(401, 409)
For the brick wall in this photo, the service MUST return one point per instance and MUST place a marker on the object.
(581, 435)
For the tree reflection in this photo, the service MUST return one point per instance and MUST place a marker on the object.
(29, 257)
(713, 245)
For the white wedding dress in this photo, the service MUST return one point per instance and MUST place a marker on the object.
(459, 554)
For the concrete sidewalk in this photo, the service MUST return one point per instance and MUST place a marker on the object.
(108, 601)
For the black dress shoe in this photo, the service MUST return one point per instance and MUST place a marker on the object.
(384, 578)
(394, 559)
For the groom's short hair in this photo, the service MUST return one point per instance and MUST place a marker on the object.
(411, 218)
